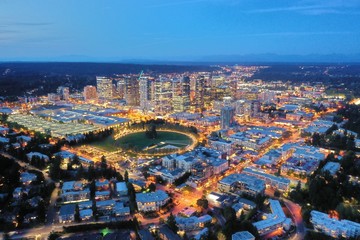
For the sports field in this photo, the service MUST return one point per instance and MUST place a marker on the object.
(141, 141)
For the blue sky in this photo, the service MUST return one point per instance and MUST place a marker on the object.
(176, 29)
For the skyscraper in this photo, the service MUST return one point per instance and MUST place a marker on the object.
(90, 93)
(181, 95)
(104, 87)
(64, 93)
(131, 92)
(145, 93)
(227, 117)
(199, 93)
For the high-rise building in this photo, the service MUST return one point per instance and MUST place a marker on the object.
(181, 95)
(104, 87)
(120, 87)
(131, 92)
(63, 92)
(199, 93)
(162, 94)
(227, 117)
(90, 93)
(145, 93)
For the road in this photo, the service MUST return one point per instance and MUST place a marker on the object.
(295, 211)
(27, 166)
(51, 214)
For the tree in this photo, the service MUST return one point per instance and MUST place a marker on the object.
(41, 211)
(55, 171)
(221, 236)
(53, 236)
(92, 189)
(6, 236)
(152, 187)
(229, 214)
(103, 163)
(203, 203)
(77, 213)
(172, 223)
(126, 175)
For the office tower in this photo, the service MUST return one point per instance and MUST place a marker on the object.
(227, 101)
(227, 117)
(90, 93)
(255, 108)
(104, 87)
(145, 93)
(63, 92)
(267, 96)
(131, 92)
(181, 94)
(199, 93)
(120, 87)
(162, 95)
(53, 97)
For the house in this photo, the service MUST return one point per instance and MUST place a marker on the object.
(38, 155)
(86, 214)
(165, 233)
(67, 213)
(121, 189)
(243, 235)
(27, 178)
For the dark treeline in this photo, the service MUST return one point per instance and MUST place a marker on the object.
(46, 77)
(352, 113)
(325, 192)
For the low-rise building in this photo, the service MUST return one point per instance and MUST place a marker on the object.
(86, 214)
(31, 155)
(151, 201)
(244, 235)
(331, 167)
(280, 183)
(121, 189)
(165, 233)
(242, 183)
(74, 191)
(67, 213)
(192, 223)
(273, 221)
(27, 178)
(334, 227)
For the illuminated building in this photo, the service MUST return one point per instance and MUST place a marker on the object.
(145, 93)
(181, 95)
(90, 93)
(131, 92)
(64, 93)
(334, 227)
(227, 117)
(104, 87)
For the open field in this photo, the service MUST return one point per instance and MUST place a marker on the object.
(140, 140)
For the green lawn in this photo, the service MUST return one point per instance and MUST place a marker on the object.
(140, 140)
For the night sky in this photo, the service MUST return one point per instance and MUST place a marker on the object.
(175, 29)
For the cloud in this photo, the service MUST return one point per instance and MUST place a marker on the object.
(295, 34)
(329, 7)
(175, 3)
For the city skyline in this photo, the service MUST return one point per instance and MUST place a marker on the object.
(180, 30)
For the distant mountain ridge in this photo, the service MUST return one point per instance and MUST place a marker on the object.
(202, 60)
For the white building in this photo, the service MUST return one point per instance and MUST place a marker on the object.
(121, 189)
(333, 227)
(241, 183)
(273, 221)
(152, 201)
(192, 223)
(104, 87)
(244, 235)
